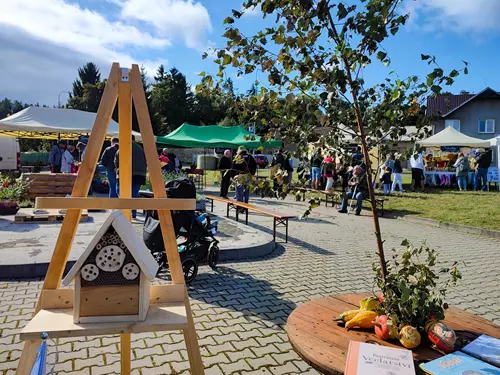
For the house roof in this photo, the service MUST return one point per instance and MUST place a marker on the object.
(134, 244)
(452, 137)
(444, 105)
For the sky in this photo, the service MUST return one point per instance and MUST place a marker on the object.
(42, 43)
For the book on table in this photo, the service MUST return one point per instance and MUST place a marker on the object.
(459, 363)
(485, 348)
(363, 359)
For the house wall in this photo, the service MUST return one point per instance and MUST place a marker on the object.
(469, 116)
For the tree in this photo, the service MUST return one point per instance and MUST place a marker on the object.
(172, 100)
(314, 57)
(90, 98)
(89, 73)
(160, 74)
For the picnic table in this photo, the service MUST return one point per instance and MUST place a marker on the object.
(323, 344)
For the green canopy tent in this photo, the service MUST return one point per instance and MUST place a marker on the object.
(213, 136)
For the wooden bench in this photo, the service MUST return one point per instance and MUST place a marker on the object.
(279, 219)
(332, 197)
(379, 203)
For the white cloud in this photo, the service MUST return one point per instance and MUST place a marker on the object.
(186, 19)
(255, 11)
(44, 42)
(463, 16)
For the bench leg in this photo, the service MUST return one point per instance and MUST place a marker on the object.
(227, 213)
(274, 230)
(237, 214)
(246, 216)
(286, 231)
(212, 205)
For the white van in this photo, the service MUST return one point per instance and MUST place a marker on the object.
(10, 155)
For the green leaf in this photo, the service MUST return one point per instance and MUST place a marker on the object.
(227, 59)
(453, 73)
(381, 55)
(342, 12)
(466, 71)
(202, 74)
(290, 97)
(228, 20)
(425, 57)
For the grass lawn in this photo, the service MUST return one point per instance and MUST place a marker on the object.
(477, 209)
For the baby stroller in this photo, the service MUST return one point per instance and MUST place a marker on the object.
(193, 230)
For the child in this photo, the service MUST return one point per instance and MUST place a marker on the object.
(398, 180)
(386, 180)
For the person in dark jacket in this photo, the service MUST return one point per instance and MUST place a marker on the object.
(398, 179)
(482, 164)
(138, 170)
(174, 162)
(225, 164)
(243, 163)
(316, 163)
(359, 190)
(108, 162)
(288, 167)
(55, 156)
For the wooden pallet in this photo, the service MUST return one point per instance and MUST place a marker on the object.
(26, 215)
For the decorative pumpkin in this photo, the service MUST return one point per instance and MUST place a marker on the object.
(409, 337)
(384, 328)
(440, 335)
(368, 303)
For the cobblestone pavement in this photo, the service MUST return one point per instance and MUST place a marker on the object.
(241, 309)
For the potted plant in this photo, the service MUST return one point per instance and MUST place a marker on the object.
(12, 191)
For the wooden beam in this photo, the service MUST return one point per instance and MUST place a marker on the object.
(125, 179)
(115, 203)
(125, 135)
(167, 228)
(80, 189)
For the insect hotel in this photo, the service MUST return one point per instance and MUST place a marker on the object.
(112, 276)
(112, 294)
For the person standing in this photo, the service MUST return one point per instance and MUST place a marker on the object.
(327, 169)
(175, 161)
(386, 180)
(316, 170)
(462, 171)
(398, 179)
(482, 164)
(55, 157)
(164, 160)
(138, 170)
(225, 170)
(359, 190)
(67, 160)
(303, 170)
(288, 167)
(82, 148)
(108, 162)
(417, 171)
(243, 163)
(357, 157)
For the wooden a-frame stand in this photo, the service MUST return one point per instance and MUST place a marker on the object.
(123, 85)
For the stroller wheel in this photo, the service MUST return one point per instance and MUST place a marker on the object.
(190, 269)
(213, 256)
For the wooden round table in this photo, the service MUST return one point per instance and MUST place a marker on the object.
(323, 343)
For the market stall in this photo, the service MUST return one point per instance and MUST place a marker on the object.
(441, 152)
(53, 123)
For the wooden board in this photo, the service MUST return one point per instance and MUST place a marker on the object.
(116, 204)
(49, 184)
(106, 300)
(59, 323)
(158, 294)
(251, 207)
(323, 343)
(26, 215)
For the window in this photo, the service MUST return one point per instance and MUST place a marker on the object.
(486, 126)
(455, 124)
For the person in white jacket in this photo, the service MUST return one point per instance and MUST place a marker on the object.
(67, 160)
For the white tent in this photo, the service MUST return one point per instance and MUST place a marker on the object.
(50, 123)
(495, 145)
(452, 137)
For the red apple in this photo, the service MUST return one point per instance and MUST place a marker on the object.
(384, 327)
